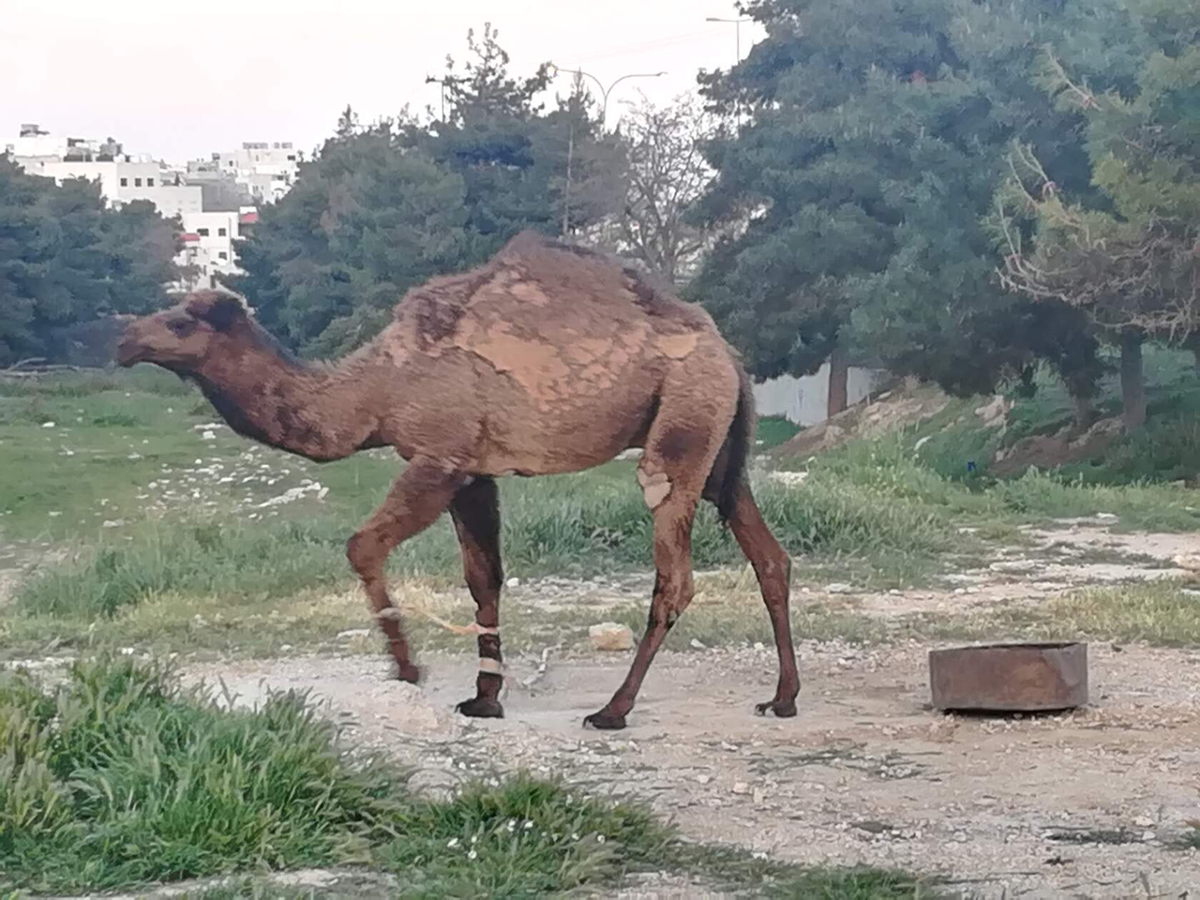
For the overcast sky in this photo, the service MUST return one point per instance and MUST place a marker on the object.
(182, 80)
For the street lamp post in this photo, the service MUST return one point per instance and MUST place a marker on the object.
(605, 91)
(737, 23)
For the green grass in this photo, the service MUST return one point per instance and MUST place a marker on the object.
(168, 545)
(773, 431)
(1188, 839)
(577, 525)
(118, 777)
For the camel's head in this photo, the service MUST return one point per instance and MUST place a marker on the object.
(182, 337)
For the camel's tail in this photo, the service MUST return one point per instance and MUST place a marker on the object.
(730, 468)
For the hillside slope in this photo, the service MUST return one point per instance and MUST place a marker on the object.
(1006, 435)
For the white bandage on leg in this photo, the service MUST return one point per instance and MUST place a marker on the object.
(490, 666)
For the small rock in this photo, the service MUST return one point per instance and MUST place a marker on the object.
(1143, 821)
(47, 424)
(740, 787)
(703, 779)
(838, 588)
(513, 582)
(698, 644)
(758, 645)
(354, 633)
(611, 636)
(1106, 517)
(208, 436)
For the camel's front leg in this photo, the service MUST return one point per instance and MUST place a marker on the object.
(415, 501)
(476, 513)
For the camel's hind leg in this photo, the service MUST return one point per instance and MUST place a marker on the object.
(773, 567)
(476, 514)
(680, 449)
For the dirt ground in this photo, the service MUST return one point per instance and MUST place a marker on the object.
(1085, 804)
(865, 774)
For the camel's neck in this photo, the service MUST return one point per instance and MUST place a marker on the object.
(315, 412)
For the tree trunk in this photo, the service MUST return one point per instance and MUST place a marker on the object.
(1085, 412)
(839, 371)
(1133, 384)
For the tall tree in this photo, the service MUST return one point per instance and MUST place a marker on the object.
(1129, 262)
(666, 175)
(365, 222)
(386, 207)
(877, 133)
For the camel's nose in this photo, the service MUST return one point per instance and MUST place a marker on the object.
(130, 350)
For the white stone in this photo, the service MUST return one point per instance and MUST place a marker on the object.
(611, 636)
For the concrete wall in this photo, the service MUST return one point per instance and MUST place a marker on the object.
(805, 401)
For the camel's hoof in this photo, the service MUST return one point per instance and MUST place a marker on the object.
(782, 709)
(409, 673)
(481, 708)
(604, 721)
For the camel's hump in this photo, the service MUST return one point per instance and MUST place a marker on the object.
(561, 272)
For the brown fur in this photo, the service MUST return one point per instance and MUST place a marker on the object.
(548, 359)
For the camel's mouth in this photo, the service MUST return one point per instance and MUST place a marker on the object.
(130, 353)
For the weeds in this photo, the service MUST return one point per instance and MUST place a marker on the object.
(1188, 839)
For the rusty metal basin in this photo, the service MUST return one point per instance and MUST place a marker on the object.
(1037, 677)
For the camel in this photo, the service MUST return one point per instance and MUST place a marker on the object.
(548, 359)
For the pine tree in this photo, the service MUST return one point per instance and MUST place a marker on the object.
(386, 207)
(858, 189)
(1129, 258)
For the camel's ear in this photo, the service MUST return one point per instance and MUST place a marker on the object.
(220, 311)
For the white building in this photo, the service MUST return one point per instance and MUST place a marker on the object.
(122, 178)
(123, 181)
(34, 144)
(266, 170)
(208, 244)
(259, 172)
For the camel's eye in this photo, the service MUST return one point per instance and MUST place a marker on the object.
(182, 325)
